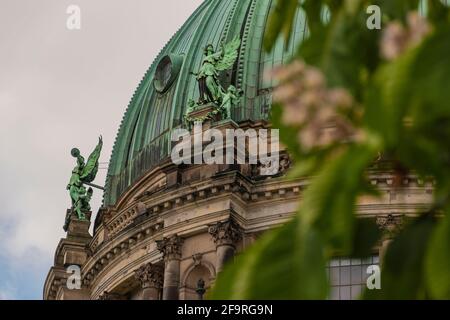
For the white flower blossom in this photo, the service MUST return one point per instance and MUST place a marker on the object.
(311, 106)
(397, 38)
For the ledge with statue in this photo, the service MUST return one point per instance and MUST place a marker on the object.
(215, 103)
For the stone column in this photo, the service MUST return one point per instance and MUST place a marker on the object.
(226, 235)
(151, 278)
(171, 249)
(390, 225)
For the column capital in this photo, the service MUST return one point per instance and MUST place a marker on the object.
(390, 224)
(150, 276)
(226, 233)
(170, 247)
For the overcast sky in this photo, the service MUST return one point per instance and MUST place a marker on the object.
(61, 89)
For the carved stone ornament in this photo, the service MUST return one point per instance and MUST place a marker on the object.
(262, 170)
(111, 296)
(150, 275)
(197, 258)
(226, 233)
(285, 163)
(170, 247)
(390, 224)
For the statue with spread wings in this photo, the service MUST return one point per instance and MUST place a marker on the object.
(83, 173)
(208, 76)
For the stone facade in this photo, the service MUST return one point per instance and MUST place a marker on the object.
(166, 231)
(179, 225)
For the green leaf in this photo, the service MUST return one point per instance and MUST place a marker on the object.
(303, 169)
(285, 264)
(415, 87)
(437, 267)
(366, 236)
(387, 100)
(438, 13)
(288, 134)
(280, 20)
(402, 274)
(329, 203)
(313, 9)
(428, 96)
(397, 9)
(343, 50)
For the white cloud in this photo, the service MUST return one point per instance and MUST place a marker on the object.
(60, 89)
(7, 294)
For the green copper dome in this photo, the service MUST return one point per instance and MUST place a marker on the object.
(159, 103)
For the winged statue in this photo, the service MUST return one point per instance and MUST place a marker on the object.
(213, 62)
(83, 173)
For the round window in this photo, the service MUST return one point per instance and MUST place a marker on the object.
(166, 72)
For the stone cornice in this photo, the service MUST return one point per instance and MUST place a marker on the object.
(251, 192)
(56, 278)
(203, 191)
(156, 174)
(123, 220)
(115, 248)
(389, 180)
(107, 279)
(180, 194)
(147, 226)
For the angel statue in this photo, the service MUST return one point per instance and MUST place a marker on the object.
(208, 76)
(83, 173)
(229, 99)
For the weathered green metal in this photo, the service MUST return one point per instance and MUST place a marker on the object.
(157, 108)
(210, 88)
(83, 173)
(188, 119)
(230, 99)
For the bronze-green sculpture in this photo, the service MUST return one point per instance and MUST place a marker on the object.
(229, 99)
(211, 90)
(83, 173)
(208, 76)
(191, 106)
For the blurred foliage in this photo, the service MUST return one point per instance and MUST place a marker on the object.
(404, 105)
